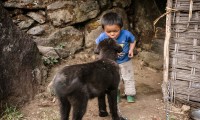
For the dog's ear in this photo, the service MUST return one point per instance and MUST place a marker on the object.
(110, 41)
(113, 43)
(116, 46)
(100, 46)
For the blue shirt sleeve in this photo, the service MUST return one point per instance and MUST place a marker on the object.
(101, 37)
(130, 36)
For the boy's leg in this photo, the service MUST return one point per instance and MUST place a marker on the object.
(118, 91)
(127, 73)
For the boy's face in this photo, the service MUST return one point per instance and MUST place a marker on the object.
(112, 31)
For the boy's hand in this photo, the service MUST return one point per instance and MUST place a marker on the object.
(130, 53)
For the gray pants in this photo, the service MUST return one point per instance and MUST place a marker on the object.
(127, 75)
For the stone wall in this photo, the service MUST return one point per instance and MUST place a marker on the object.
(62, 27)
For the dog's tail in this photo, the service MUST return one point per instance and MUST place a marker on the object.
(50, 88)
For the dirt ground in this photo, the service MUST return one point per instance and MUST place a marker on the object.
(149, 104)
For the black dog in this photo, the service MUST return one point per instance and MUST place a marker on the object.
(75, 85)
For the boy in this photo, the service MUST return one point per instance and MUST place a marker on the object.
(112, 25)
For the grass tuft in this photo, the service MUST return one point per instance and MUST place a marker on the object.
(11, 113)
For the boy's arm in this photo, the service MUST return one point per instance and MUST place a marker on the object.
(132, 46)
(100, 38)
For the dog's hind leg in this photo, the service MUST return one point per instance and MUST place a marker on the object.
(65, 107)
(79, 107)
(102, 106)
(112, 100)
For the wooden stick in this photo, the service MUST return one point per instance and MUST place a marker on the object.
(166, 52)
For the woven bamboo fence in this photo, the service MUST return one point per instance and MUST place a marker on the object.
(182, 52)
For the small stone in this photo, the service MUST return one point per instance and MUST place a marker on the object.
(176, 110)
(25, 24)
(37, 17)
(37, 30)
(185, 108)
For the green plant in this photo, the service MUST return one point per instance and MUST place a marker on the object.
(49, 60)
(172, 117)
(11, 113)
(60, 46)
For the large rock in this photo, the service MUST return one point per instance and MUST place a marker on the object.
(26, 4)
(21, 68)
(37, 30)
(68, 39)
(37, 17)
(92, 31)
(145, 12)
(158, 46)
(153, 60)
(22, 21)
(68, 12)
(121, 3)
(48, 51)
(105, 4)
(158, 41)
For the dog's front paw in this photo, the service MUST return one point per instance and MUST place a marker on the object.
(103, 113)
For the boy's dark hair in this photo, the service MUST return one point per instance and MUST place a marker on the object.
(111, 18)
